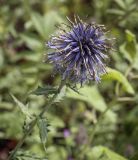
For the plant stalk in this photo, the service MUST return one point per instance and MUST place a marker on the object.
(33, 123)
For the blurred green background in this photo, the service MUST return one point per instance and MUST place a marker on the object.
(25, 27)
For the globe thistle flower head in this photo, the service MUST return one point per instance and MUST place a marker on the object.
(79, 51)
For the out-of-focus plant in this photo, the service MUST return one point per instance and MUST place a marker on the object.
(126, 12)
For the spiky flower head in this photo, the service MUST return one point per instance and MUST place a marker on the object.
(80, 51)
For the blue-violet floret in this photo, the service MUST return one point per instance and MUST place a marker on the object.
(79, 51)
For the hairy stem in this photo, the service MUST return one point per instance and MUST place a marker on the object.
(33, 123)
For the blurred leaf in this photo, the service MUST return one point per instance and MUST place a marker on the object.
(130, 36)
(10, 125)
(51, 19)
(11, 79)
(20, 155)
(129, 2)
(126, 54)
(55, 122)
(132, 115)
(135, 64)
(38, 23)
(103, 153)
(91, 95)
(57, 153)
(6, 105)
(112, 155)
(116, 12)
(23, 108)
(45, 25)
(43, 130)
(121, 3)
(1, 58)
(47, 90)
(32, 42)
(118, 76)
(131, 44)
(129, 48)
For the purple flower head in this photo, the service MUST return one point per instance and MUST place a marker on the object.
(79, 51)
(66, 133)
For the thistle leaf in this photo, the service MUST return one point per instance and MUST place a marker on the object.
(47, 90)
(23, 108)
(28, 156)
(43, 130)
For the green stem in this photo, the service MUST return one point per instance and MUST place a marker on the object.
(91, 137)
(33, 123)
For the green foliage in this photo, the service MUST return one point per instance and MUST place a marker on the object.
(27, 156)
(25, 27)
(90, 95)
(126, 12)
(116, 75)
(43, 130)
(44, 25)
(47, 90)
(61, 95)
(129, 48)
(103, 153)
(23, 108)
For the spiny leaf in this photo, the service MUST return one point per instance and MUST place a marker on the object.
(20, 155)
(23, 108)
(47, 90)
(43, 130)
